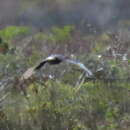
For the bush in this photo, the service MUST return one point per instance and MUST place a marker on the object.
(11, 32)
(61, 35)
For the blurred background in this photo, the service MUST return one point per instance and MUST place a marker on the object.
(101, 14)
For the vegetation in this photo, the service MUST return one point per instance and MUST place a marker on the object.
(62, 97)
(66, 101)
(11, 32)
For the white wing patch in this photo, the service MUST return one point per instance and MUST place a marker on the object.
(50, 58)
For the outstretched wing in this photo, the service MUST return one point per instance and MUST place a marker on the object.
(49, 59)
(27, 74)
(52, 59)
(81, 65)
(41, 64)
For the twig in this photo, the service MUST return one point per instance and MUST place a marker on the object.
(4, 97)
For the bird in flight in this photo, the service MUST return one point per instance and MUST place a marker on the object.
(53, 60)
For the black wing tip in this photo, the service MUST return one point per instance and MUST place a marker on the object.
(41, 64)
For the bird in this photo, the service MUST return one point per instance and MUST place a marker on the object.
(55, 59)
(51, 60)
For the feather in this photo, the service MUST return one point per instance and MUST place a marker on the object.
(41, 64)
(81, 65)
(27, 74)
(52, 60)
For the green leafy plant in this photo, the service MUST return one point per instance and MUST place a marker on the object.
(11, 32)
(61, 34)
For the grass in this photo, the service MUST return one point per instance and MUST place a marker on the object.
(65, 102)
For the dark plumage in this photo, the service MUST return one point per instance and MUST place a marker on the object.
(52, 60)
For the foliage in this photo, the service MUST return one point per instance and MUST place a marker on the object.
(11, 32)
(67, 100)
(59, 106)
(54, 104)
(60, 35)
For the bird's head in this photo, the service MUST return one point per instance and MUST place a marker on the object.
(50, 58)
(55, 59)
(55, 56)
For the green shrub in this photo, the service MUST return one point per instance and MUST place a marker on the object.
(60, 35)
(11, 32)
